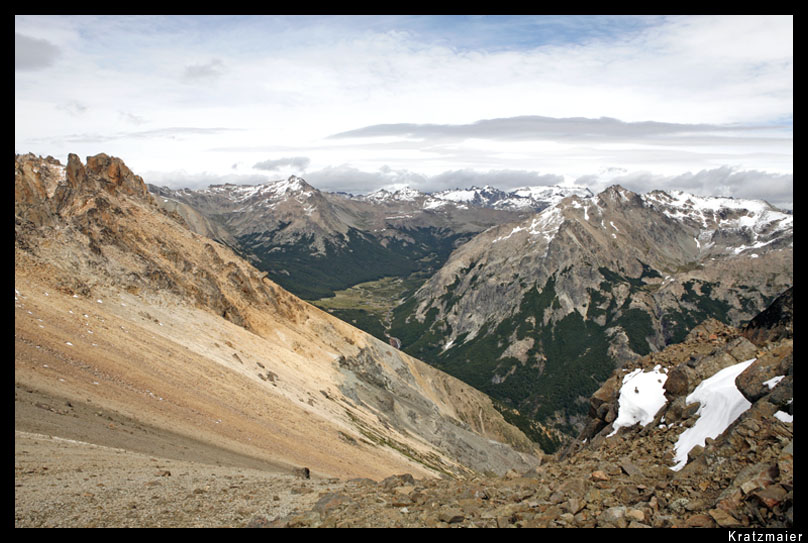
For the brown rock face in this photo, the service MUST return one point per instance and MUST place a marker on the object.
(115, 176)
(776, 363)
(44, 186)
(776, 322)
(677, 382)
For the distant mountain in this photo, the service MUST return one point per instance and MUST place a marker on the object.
(521, 199)
(315, 243)
(538, 313)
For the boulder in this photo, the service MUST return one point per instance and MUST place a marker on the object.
(773, 323)
(752, 382)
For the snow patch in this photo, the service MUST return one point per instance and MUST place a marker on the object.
(771, 383)
(641, 397)
(783, 416)
(721, 403)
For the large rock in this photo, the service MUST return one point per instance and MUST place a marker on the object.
(775, 322)
(756, 380)
(115, 176)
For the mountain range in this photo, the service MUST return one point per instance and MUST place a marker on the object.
(623, 274)
(647, 339)
(314, 243)
(499, 281)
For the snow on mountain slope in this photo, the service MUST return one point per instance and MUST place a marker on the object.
(743, 224)
(523, 198)
(624, 273)
(720, 404)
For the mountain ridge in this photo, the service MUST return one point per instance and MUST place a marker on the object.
(667, 259)
(620, 271)
(119, 302)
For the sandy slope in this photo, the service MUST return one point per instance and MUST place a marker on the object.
(128, 357)
(107, 400)
(67, 483)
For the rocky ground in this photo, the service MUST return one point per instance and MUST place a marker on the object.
(66, 483)
(743, 478)
(130, 474)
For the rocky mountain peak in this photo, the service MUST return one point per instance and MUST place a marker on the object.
(616, 194)
(402, 194)
(113, 175)
(45, 186)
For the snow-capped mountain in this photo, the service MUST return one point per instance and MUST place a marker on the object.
(314, 242)
(520, 199)
(406, 194)
(623, 273)
(725, 224)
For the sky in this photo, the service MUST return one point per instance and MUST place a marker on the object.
(702, 104)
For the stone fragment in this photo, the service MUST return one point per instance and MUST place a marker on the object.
(677, 382)
(629, 468)
(700, 521)
(451, 516)
(724, 519)
(771, 496)
(635, 515)
(613, 517)
(330, 501)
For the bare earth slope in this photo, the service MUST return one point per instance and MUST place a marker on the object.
(120, 308)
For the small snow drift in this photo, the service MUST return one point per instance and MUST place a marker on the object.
(721, 403)
(641, 397)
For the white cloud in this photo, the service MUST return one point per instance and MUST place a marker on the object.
(299, 163)
(204, 73)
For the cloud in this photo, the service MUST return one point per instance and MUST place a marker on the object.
(33, 53)
(299, 163)
(431, 97)
(529, 127)
(131, 118)
(72, 107)
(174, 132)
(203, 72)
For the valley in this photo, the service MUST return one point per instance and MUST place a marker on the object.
(161, 366)
(489, 286)
(369, 306)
